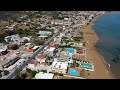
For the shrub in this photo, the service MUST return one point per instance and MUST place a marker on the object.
(14, 47)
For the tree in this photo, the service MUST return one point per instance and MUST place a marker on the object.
(23, 76)
(60, 74)
(33, 73)
(14, 47)
(38, 42)
(6, 72)
(45, 71)
(81, 33)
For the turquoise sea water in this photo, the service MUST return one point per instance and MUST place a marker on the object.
(107, 28)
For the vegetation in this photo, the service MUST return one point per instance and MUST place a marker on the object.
(66, 41)
(76, 38)
(38, 42)
(14, 47)
(45, 71)
(76, 59)
(25, 32)
(84, 43)
(23, 76)
(88, 73)
(55, 15)
(62, 49)
(32, 73)
(74, 64)
(66, 46)
(64, 37)
(60, 74)
(56, 73)
(81, 37)
(81, 33)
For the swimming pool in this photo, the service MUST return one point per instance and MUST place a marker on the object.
(73, 71)
(86, 65)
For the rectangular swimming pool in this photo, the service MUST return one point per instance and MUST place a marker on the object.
(86, 65)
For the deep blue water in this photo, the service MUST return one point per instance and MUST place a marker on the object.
(107, 28)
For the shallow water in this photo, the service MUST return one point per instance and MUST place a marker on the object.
(107, 28)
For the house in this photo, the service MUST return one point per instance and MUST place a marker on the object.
(44, 33)
(79, 50)
(15, 39)
(60, 67)
(79, 53)
(41, 58)
(29, 47)
(29, 38)
(50, 50)
(3, 48)
(57, 40)
(42, 75)
(43, 37)
(63, 58)
(62, 34)
(67, 59)
(35, 47)
(66, 19)
(12, 38)
(32, 64)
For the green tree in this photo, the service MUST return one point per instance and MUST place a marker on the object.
(14, 47)
(33, 73)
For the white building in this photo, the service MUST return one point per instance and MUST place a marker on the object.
(15, 39)
(50, 50)
(3, 47)
(41, 58)
(42, 75)
(29, 38)
(60, 67)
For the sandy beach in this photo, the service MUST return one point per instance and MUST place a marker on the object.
(102, 71)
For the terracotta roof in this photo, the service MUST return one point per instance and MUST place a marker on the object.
(80, 51)
(32, 61)
(41, 56)
(51, 46)
(43, 63)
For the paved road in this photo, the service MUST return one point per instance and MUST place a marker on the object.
(20, 68)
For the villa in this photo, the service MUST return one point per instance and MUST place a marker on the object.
(60, 67)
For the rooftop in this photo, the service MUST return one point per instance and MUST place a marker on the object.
(41, 56)
(42, 75)
(60, 65)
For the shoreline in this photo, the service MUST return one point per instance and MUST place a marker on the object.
(102, 69)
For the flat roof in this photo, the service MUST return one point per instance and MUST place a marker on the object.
(60, 65)
(41, 56)
(51, 49)
(35, 47)
(42, 75)
(42, 36)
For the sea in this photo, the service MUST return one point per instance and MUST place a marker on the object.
(107, 27)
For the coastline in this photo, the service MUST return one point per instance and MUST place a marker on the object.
(102, 69)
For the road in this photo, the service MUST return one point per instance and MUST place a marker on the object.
(39, 50)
